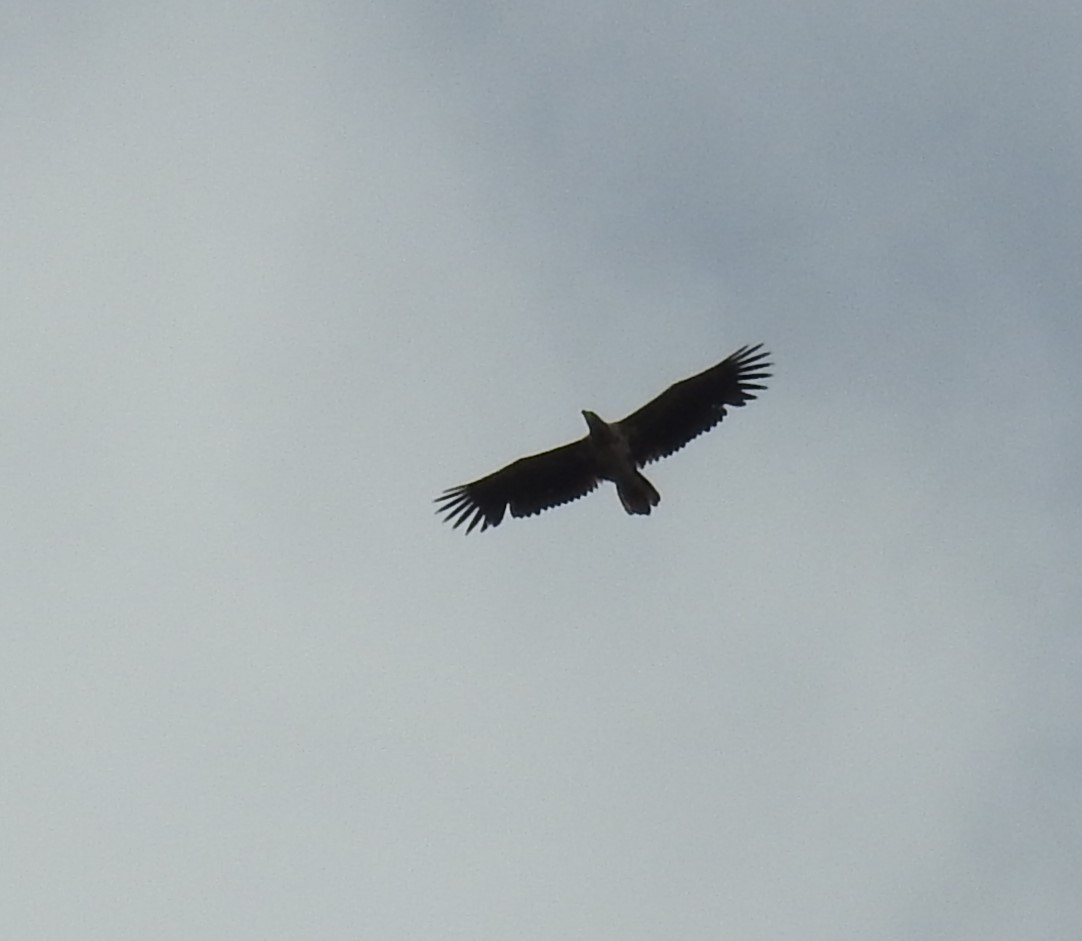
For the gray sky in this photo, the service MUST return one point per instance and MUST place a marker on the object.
(276, 274)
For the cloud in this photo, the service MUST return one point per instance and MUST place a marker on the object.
(278, 275)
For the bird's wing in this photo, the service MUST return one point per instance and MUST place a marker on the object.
(688, 408)
(528, 486)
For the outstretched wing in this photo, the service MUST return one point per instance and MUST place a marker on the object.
(528, 486)
(687, 409)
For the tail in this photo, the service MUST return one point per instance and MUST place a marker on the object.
(637, 494)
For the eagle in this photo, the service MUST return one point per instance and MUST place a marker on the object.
(611, 451)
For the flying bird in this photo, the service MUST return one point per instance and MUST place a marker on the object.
(611, 451)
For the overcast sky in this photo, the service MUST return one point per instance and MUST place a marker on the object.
(275, 274)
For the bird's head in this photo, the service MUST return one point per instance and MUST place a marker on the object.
(596, 424)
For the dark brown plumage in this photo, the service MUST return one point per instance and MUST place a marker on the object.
(614, 451)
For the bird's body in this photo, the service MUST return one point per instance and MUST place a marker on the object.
(615, 462)
(611, 451)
